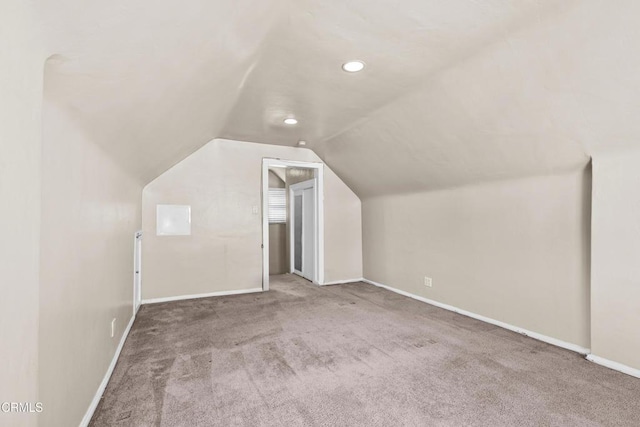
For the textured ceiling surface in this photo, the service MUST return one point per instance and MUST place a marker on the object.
(152, 81)
(454, 91)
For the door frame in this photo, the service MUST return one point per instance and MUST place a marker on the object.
(319, 228)
(303, 185)
(137, 271)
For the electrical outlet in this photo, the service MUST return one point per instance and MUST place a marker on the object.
(255, 210)
(428, 282)
(113, 327)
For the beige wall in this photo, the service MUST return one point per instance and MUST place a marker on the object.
(275, 181)
(278, 260)
(20, 130)
(514, 251)
(615, 268)
(90, 211)
(222, 183)
(277, 236)
(342, 231)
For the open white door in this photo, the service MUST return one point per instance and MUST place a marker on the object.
(303, 236)
(137, 271)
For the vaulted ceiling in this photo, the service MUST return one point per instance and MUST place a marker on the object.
(454, 91)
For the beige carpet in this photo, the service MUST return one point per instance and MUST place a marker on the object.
(348, 355)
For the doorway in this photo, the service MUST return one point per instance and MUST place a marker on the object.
(303, 225)
(307, 183)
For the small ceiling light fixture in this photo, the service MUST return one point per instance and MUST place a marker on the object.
(302, 143)
(353, 66)
(290, 121)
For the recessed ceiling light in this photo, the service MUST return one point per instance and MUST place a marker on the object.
(353, 66)
(290, 121)
(302, 143)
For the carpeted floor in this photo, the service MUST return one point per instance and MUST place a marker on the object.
(348, 355)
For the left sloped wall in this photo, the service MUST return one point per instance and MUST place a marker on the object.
(20, 106)
(90, 211)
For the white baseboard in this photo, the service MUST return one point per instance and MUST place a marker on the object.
(342, 282)
(614, 365)
(103, 385)
(535, 335)
(194, 296)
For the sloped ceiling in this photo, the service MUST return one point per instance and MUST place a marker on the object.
(454, 92)
(151, 81)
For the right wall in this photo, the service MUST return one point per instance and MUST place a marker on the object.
(515, 251)
(615, 273)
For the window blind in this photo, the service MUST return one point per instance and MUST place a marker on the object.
(277, 205)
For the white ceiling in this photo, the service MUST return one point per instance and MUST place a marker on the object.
(151, 81)
(454, 92)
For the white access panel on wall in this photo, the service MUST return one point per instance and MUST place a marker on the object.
(173, 220)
